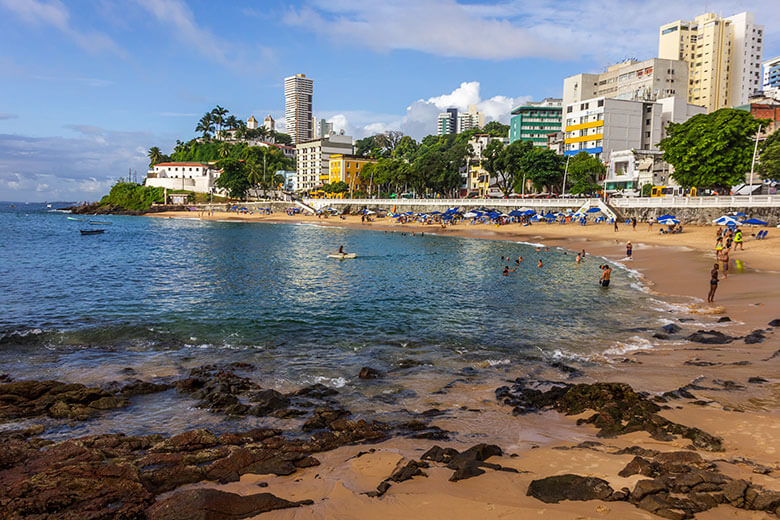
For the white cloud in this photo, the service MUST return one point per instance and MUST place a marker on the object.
(54, 14)
(559, 29)
(175, 15)
(421, 116)
(82, 167)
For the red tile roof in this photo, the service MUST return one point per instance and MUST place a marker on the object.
(181, 164)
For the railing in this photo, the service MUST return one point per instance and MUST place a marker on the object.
(726, 201)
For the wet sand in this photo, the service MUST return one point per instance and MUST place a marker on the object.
(673, 266)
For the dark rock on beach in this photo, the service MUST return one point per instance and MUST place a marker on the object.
(618, 409)
(213, 504)
(775, 323)
(710, 337)
(757, 336)
(724, 319)
(369, 373)
(671, 328)
(552, 490)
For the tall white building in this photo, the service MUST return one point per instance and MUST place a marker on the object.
(469, 120)
(747, 55)
(298, 118)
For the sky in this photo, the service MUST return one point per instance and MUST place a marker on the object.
(89, 86)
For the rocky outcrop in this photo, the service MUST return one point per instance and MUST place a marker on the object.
(710, 337)
(213, 504)
(552, 490)
(22, 399)
(619, 410)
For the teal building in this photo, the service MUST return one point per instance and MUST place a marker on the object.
(535, 120)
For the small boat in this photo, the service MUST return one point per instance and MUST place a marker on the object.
(343, 256)
(92, 231)
(98, 223)
(79, 219)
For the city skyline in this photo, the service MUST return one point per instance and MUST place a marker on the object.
(90, 91)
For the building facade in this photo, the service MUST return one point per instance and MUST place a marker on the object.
(534, 121)
(475, 179)
(723, 57)
(298, 114)
(251, 123)
(189, 176)
(470, 120)
(290, 182)
(771, 80)
(632, 80)
(448, 122)
(346, 168)
(269, 123)
(313, 159)
(325, 129)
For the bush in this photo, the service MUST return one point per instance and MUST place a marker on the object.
(132, 196)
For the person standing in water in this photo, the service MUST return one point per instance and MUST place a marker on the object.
(540, 263)
(578, 259)
(507, 270)
(606, 273)
(713, 283)
(629, 250)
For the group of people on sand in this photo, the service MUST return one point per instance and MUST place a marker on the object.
(725, 240)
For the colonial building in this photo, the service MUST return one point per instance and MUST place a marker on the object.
(189, 176)
(346, 168)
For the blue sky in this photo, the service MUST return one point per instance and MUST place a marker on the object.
(88, 87)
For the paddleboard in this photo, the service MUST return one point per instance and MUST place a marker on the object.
(342, 256)
(79, 219)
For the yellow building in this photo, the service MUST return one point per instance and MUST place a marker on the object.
(346, 168)
(723, 56)
(479, 180)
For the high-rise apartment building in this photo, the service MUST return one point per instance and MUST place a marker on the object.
(470, 120)
(325, 129)
(298, 119)
(534, 121)
(723, 56)
(771, 83)
(313, 158)
(632, 80)
(448, 122)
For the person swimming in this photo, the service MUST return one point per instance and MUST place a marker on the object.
(507, 270)
(540, 263)
(578, 258)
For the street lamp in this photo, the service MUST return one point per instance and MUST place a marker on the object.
(565, 173)
(753, 163)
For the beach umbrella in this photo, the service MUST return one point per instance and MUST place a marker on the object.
(664, 217)
(755, 222)
(369, 212)
(737, 214)
(593, 210)
(669, 221)
(515, 213)
(529, 212)
(470, 214)
(725, 220)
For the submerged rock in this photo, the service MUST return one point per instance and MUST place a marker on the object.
(710, 337)
(21, 399)
(369, 373)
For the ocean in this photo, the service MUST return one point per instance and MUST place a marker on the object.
(153, 298)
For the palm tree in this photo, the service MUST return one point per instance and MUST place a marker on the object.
(254, 173)
(205, 125)
(218, 114)
(155, 156)
(224, 149)
(231, 122)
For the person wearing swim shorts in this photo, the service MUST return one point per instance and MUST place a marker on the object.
(606, 272)
(713, 283)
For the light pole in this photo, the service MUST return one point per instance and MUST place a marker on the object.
(565, 173)
(753, 163)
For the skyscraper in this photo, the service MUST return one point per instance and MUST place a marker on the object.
(723, 56)
(471, 119)
(448, 122)
(298, 118)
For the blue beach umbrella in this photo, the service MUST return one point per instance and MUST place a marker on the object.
(725, 220)
(664, 217)
(593, 210)
(755, 222)
(669, 221)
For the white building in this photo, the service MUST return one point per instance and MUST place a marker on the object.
(189, 176)
(290, 179)
(771, 80)
(313, 159)
(469, 120)
(746, 58)
(298, 116)
(269, 123)
(631, 80)
(251, 123)
(475, 179)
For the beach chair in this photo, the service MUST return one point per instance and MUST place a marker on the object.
(762, 234)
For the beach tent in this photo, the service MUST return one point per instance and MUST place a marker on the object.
(754, 222)
(725, 220)
(669, 221)
(593, 210)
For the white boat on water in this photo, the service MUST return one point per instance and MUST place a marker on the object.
(343, 256)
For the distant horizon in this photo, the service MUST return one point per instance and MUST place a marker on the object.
(89, 89)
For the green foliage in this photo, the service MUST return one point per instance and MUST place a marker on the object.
(234, 178)
(711, 150)
(495, 129)
(544, 167)
(647, 190)
(132, 196)
(406, 148)
(155, 156)
(769, 167)
(339, 187)
(584, 173)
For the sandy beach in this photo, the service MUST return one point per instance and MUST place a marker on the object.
(736, 396)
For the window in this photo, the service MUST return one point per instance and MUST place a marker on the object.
(601, 103)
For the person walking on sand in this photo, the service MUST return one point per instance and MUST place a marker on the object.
(629, 250)
(633, 223)
(713, 283)
(606, 273)
(616, 226)
(738, 239)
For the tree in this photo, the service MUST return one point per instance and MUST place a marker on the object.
(339, 187)
(647, 190)
(769, 167)
(155, 156)
(505, 163)
(405, 149)
(218, 114)
(205, 125)
(233, 178)
(543, 166)
(711, 150)
(584, 172)
(224, 149)
(495, 129)
(388, 141)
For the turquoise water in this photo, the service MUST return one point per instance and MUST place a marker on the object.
(163, 295)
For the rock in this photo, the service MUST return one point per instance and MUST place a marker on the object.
(766, 501)
(369, 373)
(728, 385)
(552, 490)
(710, 337)
(439, 454)
(775, 323)
(323, 417)
(23, 399)
(647, 487)
(638, 466)
(467, 470)
(734, 492)
(757, 336)
(268, 401)
(723, 319)
(571, 371)
(671, 328)
(213, 504)
(139, 387)
(316, 391)
(409, 470)
(757, 380)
